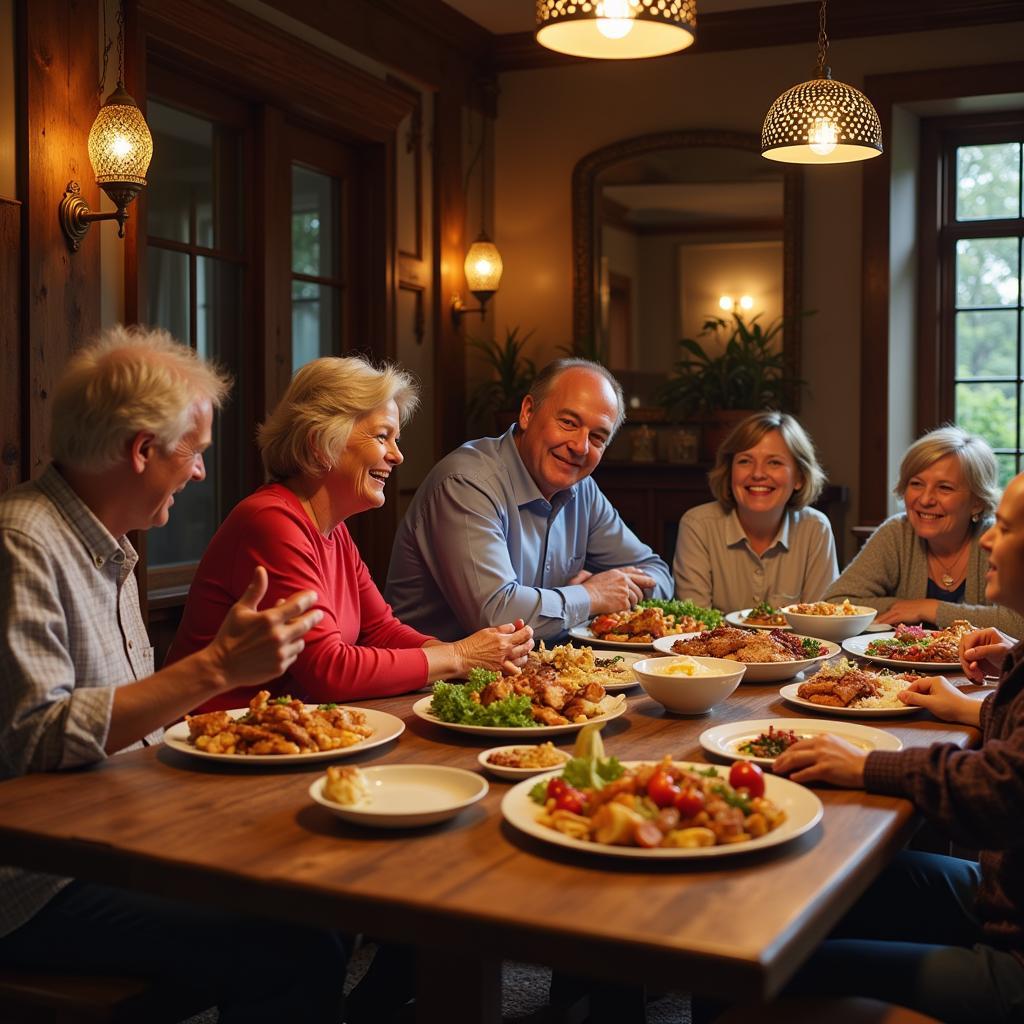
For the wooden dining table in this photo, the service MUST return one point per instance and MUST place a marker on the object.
(473, 891)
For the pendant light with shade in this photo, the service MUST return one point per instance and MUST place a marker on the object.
(821, 121)
(616, 29)
(120, 149)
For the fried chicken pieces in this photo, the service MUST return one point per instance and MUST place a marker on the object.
(742, 645)
(640, 626)
(279, 726)
(556, 685)
(840, 692)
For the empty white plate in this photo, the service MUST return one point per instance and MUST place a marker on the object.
(407, 795)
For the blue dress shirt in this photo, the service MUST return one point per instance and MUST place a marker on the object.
(481, 546)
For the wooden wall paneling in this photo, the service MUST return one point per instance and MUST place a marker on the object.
(12, 468)
(885, 91)
(449, 280)
(59, 73)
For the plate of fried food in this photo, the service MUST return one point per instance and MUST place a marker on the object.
(650, 619)
(770, 656)
(845, 688)
(933, 650)
(762, 740)
(281, 730)
(761, 616)
(558, 691)
(674, 811)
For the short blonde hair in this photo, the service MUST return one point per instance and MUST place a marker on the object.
(129, 379)
(310, 426)
(976, 458)
(746, 434)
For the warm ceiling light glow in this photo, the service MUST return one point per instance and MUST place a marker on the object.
(746, 302)
(821, 121)
(614, 19)
(616, 29)
(726, 303)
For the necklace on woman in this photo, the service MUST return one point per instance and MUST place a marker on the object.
(949, 574)
(308, 505)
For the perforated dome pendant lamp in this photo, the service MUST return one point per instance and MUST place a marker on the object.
(821, 121)
(616, 29)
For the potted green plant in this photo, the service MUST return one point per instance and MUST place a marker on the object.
(510, 376)
(747, 374)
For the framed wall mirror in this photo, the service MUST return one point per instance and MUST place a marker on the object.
(671, 228)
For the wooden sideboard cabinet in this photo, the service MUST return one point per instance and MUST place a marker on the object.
(651, 496)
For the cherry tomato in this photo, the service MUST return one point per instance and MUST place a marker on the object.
(662, 790)
(565, 796)
(747, 775)
(690, 802)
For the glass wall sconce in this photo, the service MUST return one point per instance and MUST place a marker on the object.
(483, 268)
(120, 149)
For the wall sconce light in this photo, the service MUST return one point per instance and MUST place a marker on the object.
(617, 29)
(821, 121)
(483, 268)
(120, 149)
(728, 303)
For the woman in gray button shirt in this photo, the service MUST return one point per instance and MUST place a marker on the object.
(759, 540)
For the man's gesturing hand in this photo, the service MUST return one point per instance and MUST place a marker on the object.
(252, 647)
(615, 590)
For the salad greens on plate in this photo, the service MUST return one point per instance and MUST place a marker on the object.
(711, 617)
(453, 702)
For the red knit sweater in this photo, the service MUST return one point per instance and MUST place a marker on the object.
(359, 649)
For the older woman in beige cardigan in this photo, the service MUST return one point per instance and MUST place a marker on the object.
(925, 564)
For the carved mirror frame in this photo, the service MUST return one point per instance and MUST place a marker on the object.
(585, 242)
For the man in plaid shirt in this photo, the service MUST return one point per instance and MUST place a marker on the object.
(132, 417)
(944, 935)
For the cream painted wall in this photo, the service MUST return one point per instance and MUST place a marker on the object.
(7, 136)
(549, 118)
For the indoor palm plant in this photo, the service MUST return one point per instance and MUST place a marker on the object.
(510, 375)
(747, 374)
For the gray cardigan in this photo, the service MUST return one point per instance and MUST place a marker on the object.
(893, 565)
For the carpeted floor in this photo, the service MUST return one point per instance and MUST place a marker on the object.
(524, 992)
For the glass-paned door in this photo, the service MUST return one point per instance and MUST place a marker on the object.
(320, 246)
(196, 276)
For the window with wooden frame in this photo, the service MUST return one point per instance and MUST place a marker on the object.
(199, 286)
(972, 320)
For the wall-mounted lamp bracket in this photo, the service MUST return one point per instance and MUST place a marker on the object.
(460, 309)
(75, 215)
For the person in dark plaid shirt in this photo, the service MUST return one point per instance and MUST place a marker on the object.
(132, 416)
(944, 935)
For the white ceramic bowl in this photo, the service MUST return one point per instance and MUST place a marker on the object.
(836, 628)
(689, 695)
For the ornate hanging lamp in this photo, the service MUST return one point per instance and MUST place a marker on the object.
(616, 29)
(821, 121)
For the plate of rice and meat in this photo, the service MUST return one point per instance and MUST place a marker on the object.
(844, 688)
(770, 656)
(933, 650)
(762, 740)
(282, 731)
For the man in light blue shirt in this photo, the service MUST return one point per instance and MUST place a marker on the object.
(514, 527)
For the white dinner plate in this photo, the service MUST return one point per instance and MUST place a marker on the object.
(740, 619)
(385, 728)
(763, 671)
(857, 646)
(408, 795)
(725, 740)
(421, 709)
(506, 772)
(803, 811)
(584, 636)
(789, 693)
